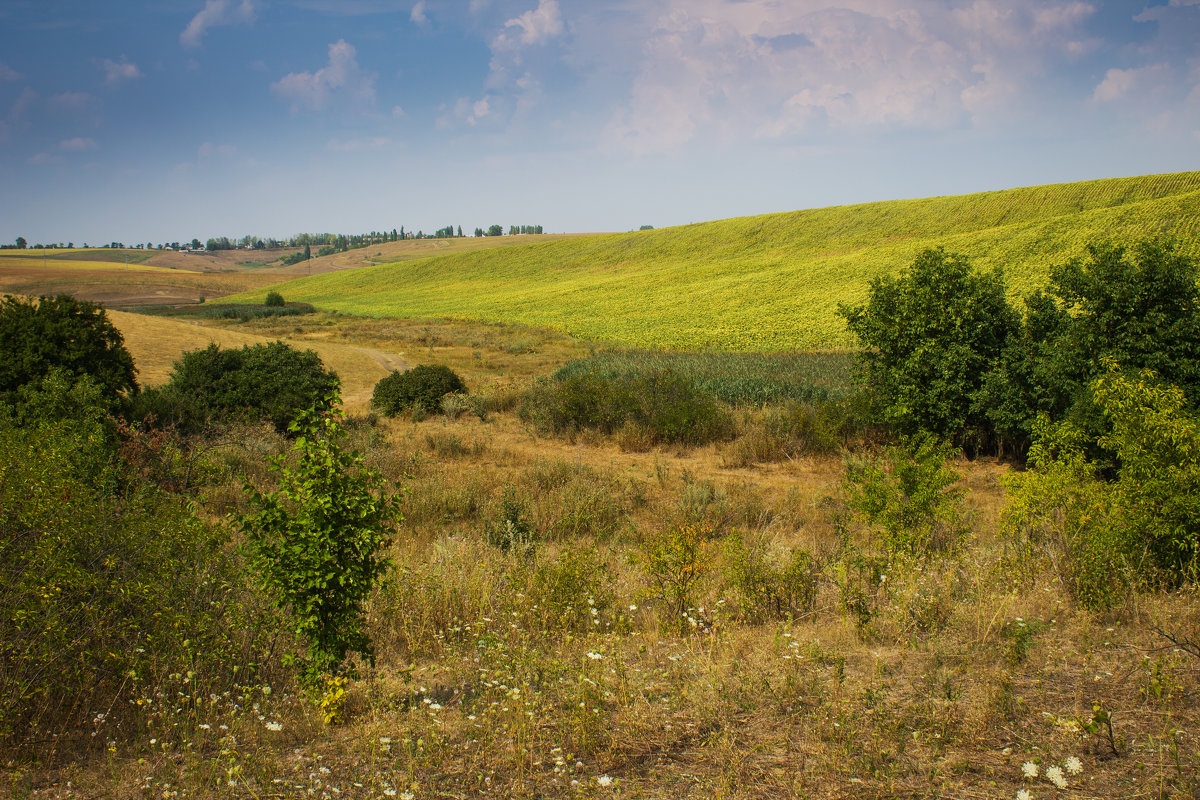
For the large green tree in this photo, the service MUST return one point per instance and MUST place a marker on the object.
(1138, 307)
(65, 334)
(928, 337)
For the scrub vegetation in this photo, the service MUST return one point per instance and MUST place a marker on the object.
(580, 572)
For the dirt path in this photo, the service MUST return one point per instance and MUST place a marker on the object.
(388, 361)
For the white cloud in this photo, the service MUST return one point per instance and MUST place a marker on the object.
(117, 72)
(418, 14)
(466, 112)
(7, 73)
(536, 26)
(1119, 84)
(730, 69)
(397, 112)
(214, 13)
(77, 145)
(340, 78)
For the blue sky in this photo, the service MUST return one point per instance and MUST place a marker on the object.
(152, 121)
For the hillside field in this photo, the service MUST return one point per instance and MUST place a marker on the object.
(762, 283)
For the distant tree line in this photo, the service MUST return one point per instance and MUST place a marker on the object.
(327, 243)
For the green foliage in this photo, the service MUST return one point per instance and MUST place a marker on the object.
(271, 381)
(662, 403)
(768, 589)
(751, 379)
(512, 530)
(929, 336)
(675, 561)
(274, 299)
(908, 500)
(1156, 438)
(108, 584)
(1062, 508)
(571, 591)
(316, 542)
(421, 387)
(1137, 306)
(66, 334)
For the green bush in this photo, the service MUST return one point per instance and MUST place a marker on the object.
(421, 387)
(110, 585)
(268, 381)
(768, 589)
(1061, 509)
(908, 500)
(1138, 306)
(928, 337)
(66, 334)
(317, 541)
(274, 299)
(663, 403)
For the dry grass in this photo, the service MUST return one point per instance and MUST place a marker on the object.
(157, 343)
(546, 671)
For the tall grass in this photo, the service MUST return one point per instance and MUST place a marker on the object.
(752, 379)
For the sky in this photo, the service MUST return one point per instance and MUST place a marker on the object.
(162, 120)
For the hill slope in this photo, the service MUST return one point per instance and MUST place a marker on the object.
(770, 282)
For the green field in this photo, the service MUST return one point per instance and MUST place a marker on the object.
(763, 283)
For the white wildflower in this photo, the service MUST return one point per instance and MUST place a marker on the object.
(1055, 776)
(1029, 769)
(389, 791)
(595, 656)
(1023, 794)
(1074, 765)
(274, 726)
(604, 781)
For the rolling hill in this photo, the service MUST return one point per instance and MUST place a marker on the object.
(761, 283)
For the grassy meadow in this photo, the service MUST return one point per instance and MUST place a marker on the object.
(764, 283)
(791, 664)
(584, 614)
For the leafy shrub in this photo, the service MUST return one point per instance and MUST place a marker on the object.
(67, 334)
(316, 542)
(569, 592)
(272, 381)
(1156, 438)
(1062, 508)
(665, 404)
(421, 387)
(512, 530)
(908, 499)
(1107, 537)
(770, 590)
(109, 585)
(675, 561)
(274, 299)
(928, 337)
(1138, 306)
